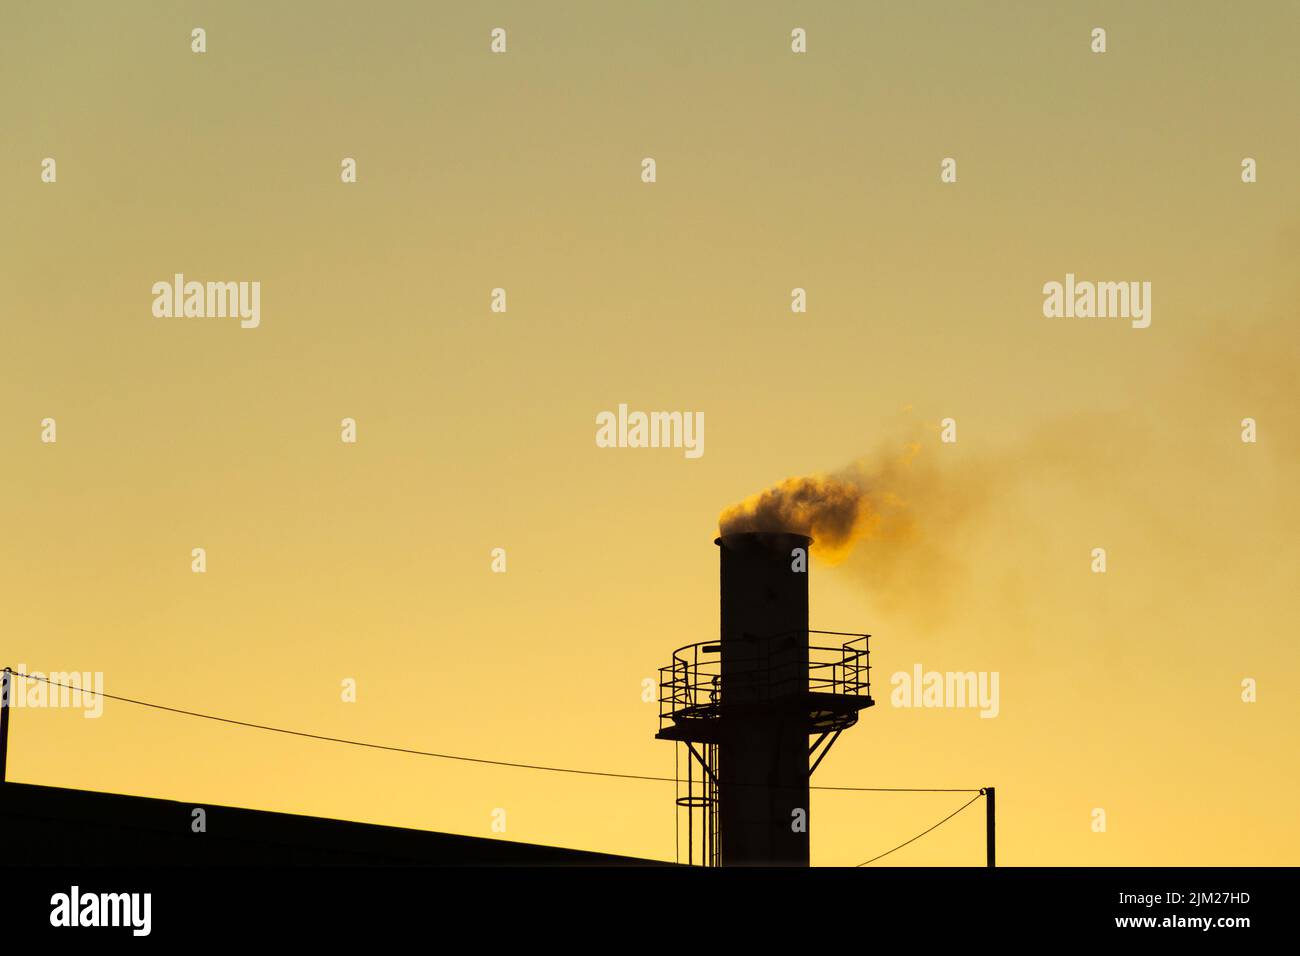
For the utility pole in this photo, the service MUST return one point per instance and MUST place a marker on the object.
(6, 688)
(991, 825)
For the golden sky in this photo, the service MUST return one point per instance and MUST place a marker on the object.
(371, 561)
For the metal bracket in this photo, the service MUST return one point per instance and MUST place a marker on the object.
(707, 769)
(825, 750)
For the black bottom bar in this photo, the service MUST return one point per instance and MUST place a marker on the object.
(980, 906)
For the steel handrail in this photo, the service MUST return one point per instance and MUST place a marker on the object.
(691, 685)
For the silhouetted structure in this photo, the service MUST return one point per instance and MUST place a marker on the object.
(49, 825)
(751, 701)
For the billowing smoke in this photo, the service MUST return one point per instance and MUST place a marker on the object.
(935, 531)
(873, 499)
(902, 521)
(826, 508)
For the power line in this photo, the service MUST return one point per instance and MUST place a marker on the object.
(343, 740)
(905, 789)
(445, 756)
(978, 794)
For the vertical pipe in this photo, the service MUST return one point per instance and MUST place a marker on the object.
(763, 752)
(690, 811)
(709, 805)
(991, 825)
(5, 689)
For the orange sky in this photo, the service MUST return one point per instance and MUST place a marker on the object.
(371, 561)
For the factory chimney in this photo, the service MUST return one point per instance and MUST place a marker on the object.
(745, 707)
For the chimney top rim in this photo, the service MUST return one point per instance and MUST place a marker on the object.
(740, 536)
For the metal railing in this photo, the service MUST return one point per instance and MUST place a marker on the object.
(691, 686)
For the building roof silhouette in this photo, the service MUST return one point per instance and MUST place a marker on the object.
(52, 825)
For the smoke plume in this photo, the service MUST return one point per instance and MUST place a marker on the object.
(826, 508)
(876, 499)
(933, 531)
(904, 520)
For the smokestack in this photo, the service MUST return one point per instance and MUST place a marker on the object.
(763, 768)
(744, 706)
